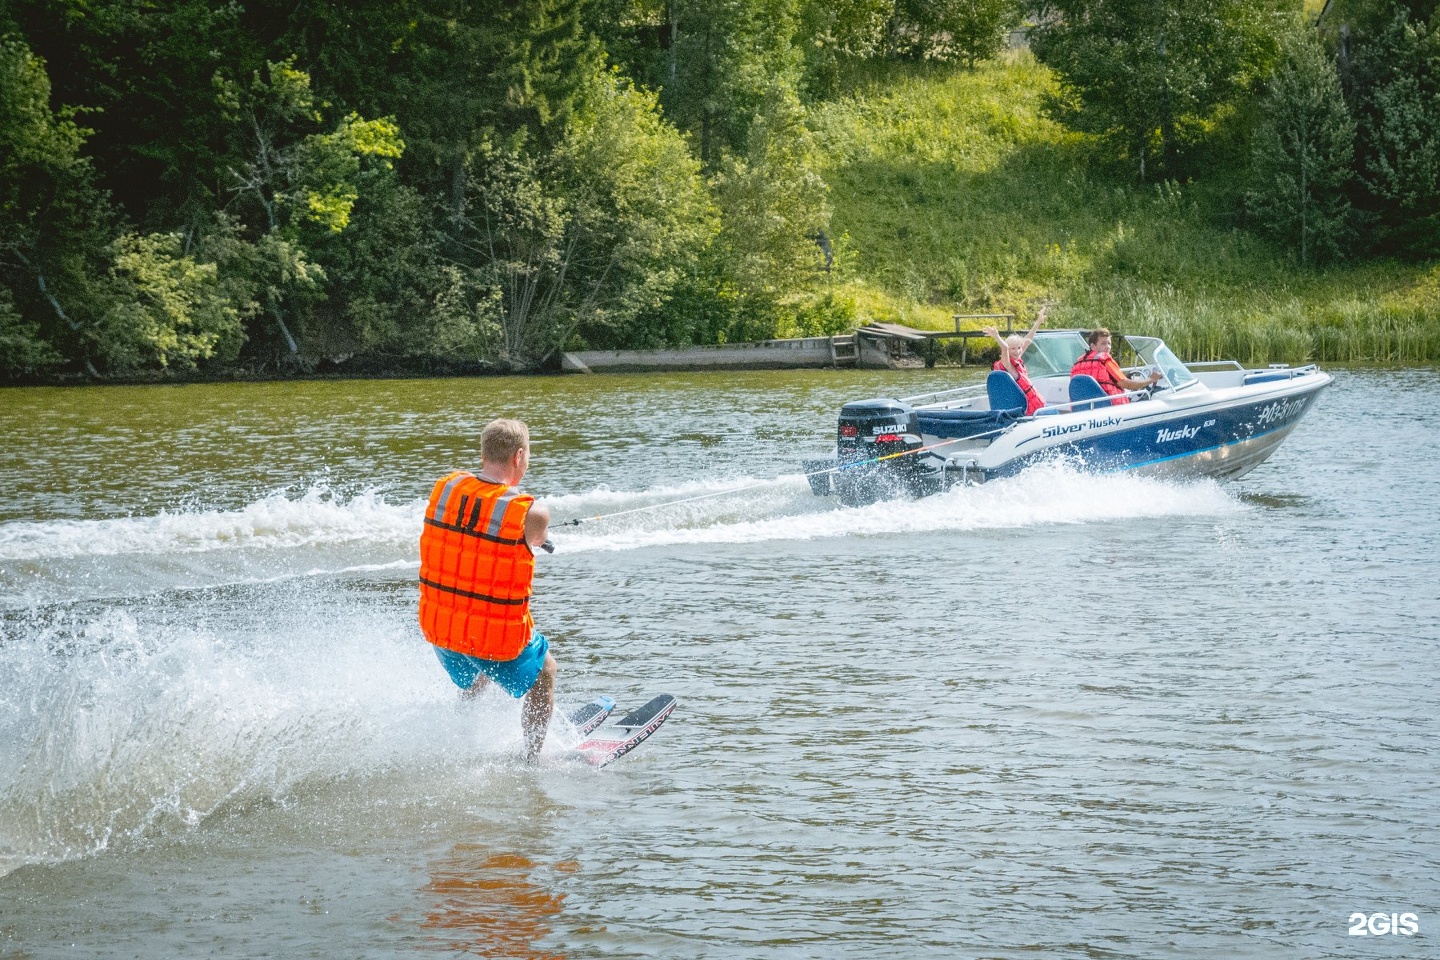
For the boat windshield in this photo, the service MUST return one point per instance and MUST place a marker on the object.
(1152, 351)
(1053, 354)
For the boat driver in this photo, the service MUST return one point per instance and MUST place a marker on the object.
(1097, 363)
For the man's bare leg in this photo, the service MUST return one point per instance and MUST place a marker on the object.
(476, 688)
(536, 708)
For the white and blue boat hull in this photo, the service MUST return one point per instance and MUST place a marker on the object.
(1210, 420)
(1224, 438)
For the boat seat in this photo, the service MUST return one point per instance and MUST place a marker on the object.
(1085, 388)
(958, 424)
(1265, 376)
(1004, 392)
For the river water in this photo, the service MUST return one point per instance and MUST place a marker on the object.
(1058, 716)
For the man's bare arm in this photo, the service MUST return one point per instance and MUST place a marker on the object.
(537, 525)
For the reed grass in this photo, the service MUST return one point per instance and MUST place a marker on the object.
(953, 193)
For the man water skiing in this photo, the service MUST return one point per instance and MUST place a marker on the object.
(477, 564)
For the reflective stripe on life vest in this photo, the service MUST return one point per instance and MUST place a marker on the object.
(476, 570)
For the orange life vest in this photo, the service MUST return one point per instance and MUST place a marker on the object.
(476, 569)
(1032, 399)
(1104, 369)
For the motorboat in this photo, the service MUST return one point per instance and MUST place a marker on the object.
(1211, 419)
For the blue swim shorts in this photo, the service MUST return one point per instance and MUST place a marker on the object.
(515, 676)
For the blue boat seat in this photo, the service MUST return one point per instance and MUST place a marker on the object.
(958, 424)
(1084, 388)
(1004, 392)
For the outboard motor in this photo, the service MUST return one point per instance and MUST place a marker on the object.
(878, 430)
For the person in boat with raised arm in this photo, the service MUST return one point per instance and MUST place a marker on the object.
(477, 566)
(1012, 352)
(1097, 362)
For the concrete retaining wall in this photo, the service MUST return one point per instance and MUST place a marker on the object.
(761, 355)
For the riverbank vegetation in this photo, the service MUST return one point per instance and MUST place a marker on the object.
(280, 189)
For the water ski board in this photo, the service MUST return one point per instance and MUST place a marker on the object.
(591, 715)
(619, 737)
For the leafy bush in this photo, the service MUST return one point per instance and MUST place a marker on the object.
(165, 308)
(22, 350)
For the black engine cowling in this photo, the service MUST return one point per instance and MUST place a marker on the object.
(877, 437)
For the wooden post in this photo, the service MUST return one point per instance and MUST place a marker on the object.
(965, 337)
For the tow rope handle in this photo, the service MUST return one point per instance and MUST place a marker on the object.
(549, 545)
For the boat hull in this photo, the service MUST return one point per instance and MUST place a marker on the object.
(1221, 434)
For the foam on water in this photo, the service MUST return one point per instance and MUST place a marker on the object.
(1054, 493)
(318, 516)
(320, 533)
(122, 724)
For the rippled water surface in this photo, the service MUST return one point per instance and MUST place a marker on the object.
(1059, 716)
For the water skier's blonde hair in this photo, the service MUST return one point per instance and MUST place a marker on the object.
(502, 439)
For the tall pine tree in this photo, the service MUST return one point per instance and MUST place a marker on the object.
(1396, 82)
(1301, 153)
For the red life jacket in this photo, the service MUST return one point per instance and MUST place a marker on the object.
(476, 570)
(1032, 399)
(1104, 369)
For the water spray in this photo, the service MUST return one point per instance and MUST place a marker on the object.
(549, 547)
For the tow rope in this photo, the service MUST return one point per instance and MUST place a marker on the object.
(766, 483)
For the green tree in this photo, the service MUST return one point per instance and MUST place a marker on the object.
(1149, 76)
(1301, 153)
(301, 178)
(52, 219)
(511, 237)
(963, 30)
(1397, 81)
(587, 237)
(834, 31)
(23, 350)
(473, 74)
(774, 208)
(261, 274)
(641, 214)
(715, 63)
(143, 71)
(164, 308)
(386, 281)
(1370, 17)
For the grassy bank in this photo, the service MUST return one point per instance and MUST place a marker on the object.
(954, 194)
